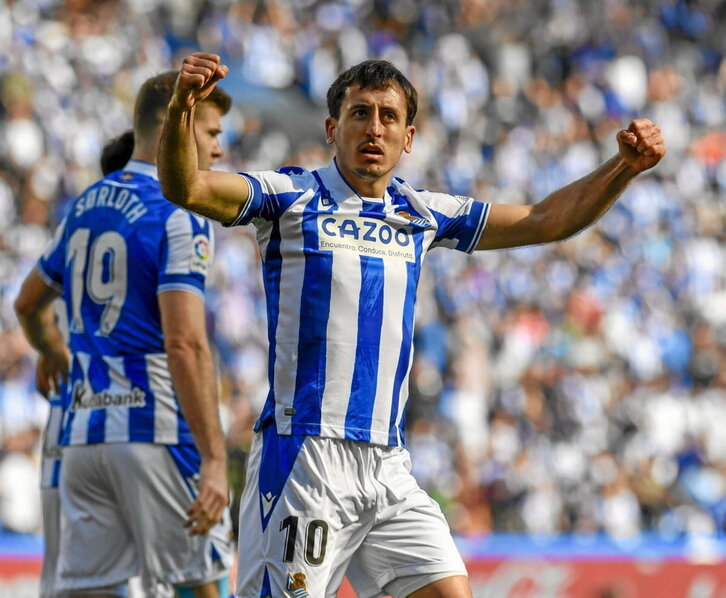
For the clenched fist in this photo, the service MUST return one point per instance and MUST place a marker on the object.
(198, 76)
(641, 145)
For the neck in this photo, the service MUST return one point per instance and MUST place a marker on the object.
(366, 185)
(365, 188)
(145, 146)
(144, 155)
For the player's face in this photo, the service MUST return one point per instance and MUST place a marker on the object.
(369, 135)
(207, 127)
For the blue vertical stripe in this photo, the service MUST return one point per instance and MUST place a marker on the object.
(55, 476)
(271, 271)
(141, 421)
(314, 313)
(367, 352)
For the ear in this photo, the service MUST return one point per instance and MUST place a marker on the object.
(408, 143)
(330, 126)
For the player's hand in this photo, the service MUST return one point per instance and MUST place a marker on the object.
(198, 76)
(52, 371)
(641, 145)
(208, 509)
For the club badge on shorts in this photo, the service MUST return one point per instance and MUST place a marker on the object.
(296, 584)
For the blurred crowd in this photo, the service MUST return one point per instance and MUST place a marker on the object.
(573, 387)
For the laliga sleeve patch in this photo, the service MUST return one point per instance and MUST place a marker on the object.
(201, 254)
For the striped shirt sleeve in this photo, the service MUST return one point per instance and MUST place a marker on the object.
(271, 193)
(51, 264)
(460, 220)
(187, 253)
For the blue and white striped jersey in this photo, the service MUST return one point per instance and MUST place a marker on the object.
(120, 245)
(340, 274)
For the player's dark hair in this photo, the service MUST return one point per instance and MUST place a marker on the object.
(155, 95)
(117, 152)
(373, 74)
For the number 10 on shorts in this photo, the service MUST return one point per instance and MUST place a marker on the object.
(316, 540)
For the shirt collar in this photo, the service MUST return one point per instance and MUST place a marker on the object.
(140, 167)
(339, 187)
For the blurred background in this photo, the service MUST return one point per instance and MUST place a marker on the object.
(567, 399)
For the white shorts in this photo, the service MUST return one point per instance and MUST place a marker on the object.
(50, 498)
(123, 512)
(315, 509)
(51, 531)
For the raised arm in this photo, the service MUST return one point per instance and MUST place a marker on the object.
(577, 205)
(192, 372)
(216, 195)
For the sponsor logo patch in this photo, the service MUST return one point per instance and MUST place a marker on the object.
(365, 236)
(82, 399)
(202, 254)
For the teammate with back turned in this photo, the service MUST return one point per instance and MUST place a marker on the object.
(144, 454)
(329, 491)
(50, 381)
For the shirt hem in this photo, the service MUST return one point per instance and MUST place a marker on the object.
(336, 432)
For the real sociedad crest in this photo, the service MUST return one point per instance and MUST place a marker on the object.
(415, 220)
(297, 585)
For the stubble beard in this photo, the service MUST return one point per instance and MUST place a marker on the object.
(370, 173)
